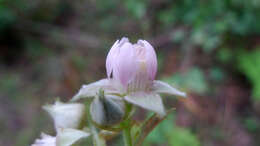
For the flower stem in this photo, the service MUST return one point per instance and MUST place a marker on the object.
(97, 140)
(127, 136)
(127, 126)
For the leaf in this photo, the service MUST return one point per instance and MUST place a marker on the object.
(162, 87)
(248, 63)
(183, 137)
(193, 79)
(167, 133)
(136, 7)
(148, 126)
(147, 100)
(136, 130)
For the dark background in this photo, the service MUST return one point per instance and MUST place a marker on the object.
(208, 48)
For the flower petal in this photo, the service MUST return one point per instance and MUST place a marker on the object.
(91, 90)
(150, 101)
(125, 64)
(66, 115)
(45, 140)
(111, 58)
(151, 58)
(162, 87)
(67, 137)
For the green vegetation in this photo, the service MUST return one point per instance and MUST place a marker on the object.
(193, 80)
(209, 48)
(249, 64)
(167, 133)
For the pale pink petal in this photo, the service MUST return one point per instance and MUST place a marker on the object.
(141, 81)
(150, 58)
(133, 65)
(123, 40)
(111, 57)
(125, 64)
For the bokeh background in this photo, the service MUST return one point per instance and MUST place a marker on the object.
(208, 48)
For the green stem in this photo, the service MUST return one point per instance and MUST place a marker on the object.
(97, 140)
(127, 126)
(127, 136)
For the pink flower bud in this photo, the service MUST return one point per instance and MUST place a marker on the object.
(133, 65)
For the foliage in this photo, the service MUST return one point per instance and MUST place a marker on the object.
(193, 80)
(136, 7)
(249, 64)
(56, 61)
(224, 55)
(211, 20)
(168, 132)
(251, 124)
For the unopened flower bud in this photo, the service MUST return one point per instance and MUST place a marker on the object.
(107, 110)
(132, 68)
(66, 115)
(133, 65)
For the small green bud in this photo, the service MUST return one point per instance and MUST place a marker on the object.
(107, 110)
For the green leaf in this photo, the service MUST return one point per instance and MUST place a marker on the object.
(167, 133)
(249, 64)
(146, 128)
(193, 80)
(136, 7)
(183, 137)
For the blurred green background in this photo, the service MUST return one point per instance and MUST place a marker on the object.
(209, 48)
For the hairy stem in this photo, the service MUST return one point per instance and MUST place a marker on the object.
(97, 140)
(127, 126)
(127, 136)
